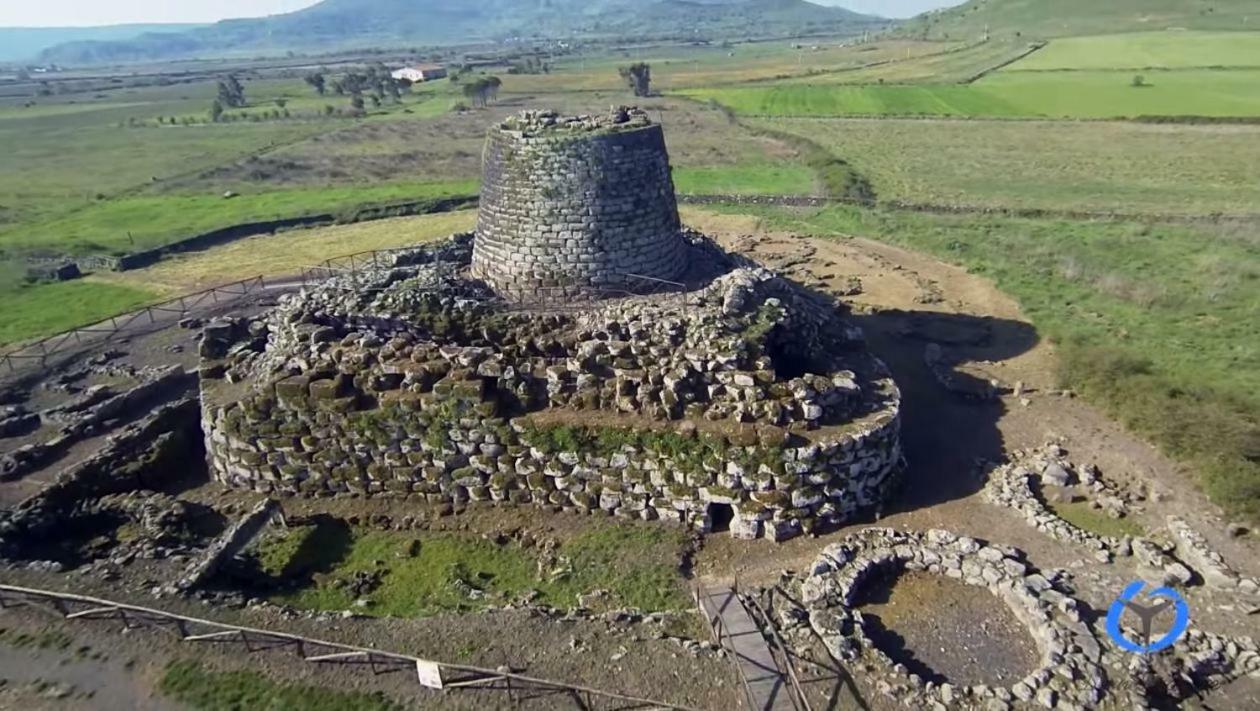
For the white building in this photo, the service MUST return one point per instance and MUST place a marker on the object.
(418, 73)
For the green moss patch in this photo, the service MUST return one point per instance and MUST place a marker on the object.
(1081, 515)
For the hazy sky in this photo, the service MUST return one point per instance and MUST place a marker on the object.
(59, 13)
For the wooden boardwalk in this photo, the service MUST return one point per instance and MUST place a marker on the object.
(768, 689)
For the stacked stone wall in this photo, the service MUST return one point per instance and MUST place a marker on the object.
(775, 489)
(577, 211)
(461, 400)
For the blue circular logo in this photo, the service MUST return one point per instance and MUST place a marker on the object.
(1160, 600)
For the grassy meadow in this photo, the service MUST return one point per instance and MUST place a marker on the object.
(1052, 165)
(1146, 50)
(1010, 94)
(141, 222)
(45, 309)
(285, 253)
(1207, 74)
(1069, 18)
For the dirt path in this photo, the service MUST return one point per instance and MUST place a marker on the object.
(908, 300)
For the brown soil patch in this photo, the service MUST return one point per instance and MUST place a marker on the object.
(947, 631)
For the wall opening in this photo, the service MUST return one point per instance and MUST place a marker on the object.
(720, 517)
(790, 361)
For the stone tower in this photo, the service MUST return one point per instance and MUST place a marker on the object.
(571, 206)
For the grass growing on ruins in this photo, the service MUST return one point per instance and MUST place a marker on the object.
(1081, 515)
(1122, 167)
(425, 574)
(1155, 323)
(197, 687)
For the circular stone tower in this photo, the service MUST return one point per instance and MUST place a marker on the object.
(572, 205)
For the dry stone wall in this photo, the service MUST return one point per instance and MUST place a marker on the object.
(411, 382)
(576, 204)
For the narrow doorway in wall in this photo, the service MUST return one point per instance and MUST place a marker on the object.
(720, 517)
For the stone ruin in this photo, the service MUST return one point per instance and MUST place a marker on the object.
(666, 379)
(574, 205)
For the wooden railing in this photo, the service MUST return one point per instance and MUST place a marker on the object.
(426, 673)
(104, 331)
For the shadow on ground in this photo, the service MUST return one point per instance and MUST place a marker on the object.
(943, 433)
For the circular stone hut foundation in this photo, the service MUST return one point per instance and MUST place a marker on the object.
(738, 402)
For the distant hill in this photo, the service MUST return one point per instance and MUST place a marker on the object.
(340, 24)
(1062, 18)
(25, 43)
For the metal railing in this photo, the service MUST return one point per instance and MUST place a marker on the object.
(800, 700)
(427, 673)
(779, 650)
(723, 639)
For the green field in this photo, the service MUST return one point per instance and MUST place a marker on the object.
(682, 67)
(1209, 74)
(1094, 95)
(1097, 166)
(748, 179)
(136, 223)
(1147, 50)
(1110, 94)
(845, 100)
(950, 63)
(44, 309)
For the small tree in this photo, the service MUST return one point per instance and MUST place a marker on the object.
(281, 103)
(1139, 81)
(473, 91)
(231, 92)
(317, 82)
(639, 78)
(216, 111)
